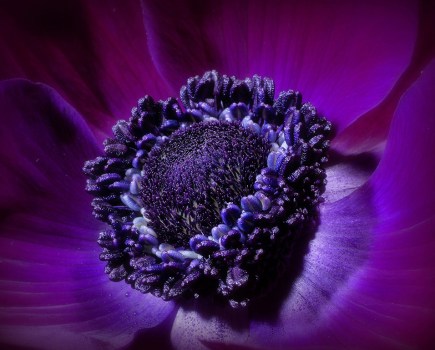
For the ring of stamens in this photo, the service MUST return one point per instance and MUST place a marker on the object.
(226, 247)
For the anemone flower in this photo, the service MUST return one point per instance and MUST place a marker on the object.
(363, 278)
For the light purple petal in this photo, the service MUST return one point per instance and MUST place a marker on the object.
(53, 290)
(344, 57)
(346, 174)
(399, 283)
(200, 323)
(338, 249)
(93, 52)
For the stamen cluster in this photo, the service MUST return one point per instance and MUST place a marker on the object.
(208, 217)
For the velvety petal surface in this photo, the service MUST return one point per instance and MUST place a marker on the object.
(404, 179)
(322, 265)
(94, 53)
(370, 131)
(198, 324)
(391, 304)
(344, 57)
(53, 291)
(387, 301)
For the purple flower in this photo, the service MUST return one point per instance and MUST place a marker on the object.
(366, 280)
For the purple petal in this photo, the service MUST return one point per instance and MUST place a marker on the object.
(370, 131)
(53, 290)
(368, 277)
(398, 285)
(336, 252)
(404, 178)
(93, 52)
(344, 58)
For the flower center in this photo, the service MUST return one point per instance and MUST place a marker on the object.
(197, 172)
(207, 197)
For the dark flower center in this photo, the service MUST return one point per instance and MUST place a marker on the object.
(189, 179)
(206, 197)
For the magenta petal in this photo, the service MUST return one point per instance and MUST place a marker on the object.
(93, 52)
(404, 179)
(344, 57)
(371, 130)
(53, 290)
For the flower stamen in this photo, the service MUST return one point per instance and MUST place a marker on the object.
(206, 199)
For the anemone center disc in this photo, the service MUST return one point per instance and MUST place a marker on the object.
(207, 198)
(191, 177)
